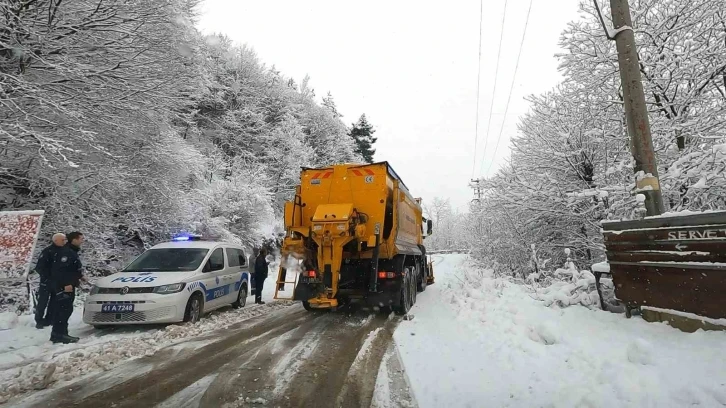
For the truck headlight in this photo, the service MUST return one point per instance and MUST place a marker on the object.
(166, 289)
(94, 290)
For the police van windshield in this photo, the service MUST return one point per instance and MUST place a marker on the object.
(168, 260)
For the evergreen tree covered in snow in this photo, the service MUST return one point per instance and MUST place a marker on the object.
(362, 134)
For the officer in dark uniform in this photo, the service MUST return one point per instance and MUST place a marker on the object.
(260, 275)
(66, 275)
(46, 292)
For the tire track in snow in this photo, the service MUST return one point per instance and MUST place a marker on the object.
(173, 375)
(341, 372)
(81, 363)
(253, 374)
(359, 387)
(289, 358)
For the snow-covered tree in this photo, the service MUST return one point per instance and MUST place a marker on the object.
(121, 120)
(571, 166)
(449, 225)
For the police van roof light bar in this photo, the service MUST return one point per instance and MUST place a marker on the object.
(186, 237)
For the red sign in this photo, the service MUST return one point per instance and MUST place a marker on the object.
(18, 234)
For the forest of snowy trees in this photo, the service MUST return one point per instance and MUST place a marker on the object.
(571, 166)
(121, 120)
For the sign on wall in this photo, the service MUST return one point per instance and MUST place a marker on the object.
(19, 232)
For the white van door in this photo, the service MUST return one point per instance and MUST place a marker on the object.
(237, 265)
(213, 277)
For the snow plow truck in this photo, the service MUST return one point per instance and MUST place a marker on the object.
(354, 233)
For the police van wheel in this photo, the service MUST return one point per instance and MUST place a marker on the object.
(194, 309)
(241, 298)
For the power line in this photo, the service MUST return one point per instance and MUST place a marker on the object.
(494, 91)
(478, 80)
(511, 86)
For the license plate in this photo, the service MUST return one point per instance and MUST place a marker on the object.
(117, 308)
(310, 281)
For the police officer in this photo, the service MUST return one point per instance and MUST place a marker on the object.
(46, 293)
(66, 274)
(260, 275)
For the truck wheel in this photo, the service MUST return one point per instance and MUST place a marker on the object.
(422, 282)
(414, 292)
(194, 309)
(405, 298)
(307, 307)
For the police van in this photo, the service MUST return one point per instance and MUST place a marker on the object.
(176, 281)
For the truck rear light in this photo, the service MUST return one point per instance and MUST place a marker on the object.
(386, 275)
(311, 274)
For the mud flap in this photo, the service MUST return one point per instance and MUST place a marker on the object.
(306, 291)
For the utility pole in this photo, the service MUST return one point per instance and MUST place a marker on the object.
(636, 112)
(477, 189)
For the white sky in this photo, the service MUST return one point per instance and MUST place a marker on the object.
(411, 67)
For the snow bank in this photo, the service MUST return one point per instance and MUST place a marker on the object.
(581, 291)
(490, 342)
(715, 322)
(568, 286)
(392, 389)
(8, 320)
(671, 214)
(30, 362)
(603, 267)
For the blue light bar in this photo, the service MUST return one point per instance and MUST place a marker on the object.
(186, 237)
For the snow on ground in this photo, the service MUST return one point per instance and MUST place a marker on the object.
(365, 348)
(392, 389)
(29, 361)
(490, 343)
(292, 360)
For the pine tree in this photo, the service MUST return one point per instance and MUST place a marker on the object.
(362, 134)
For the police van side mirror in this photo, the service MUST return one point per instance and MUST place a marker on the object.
(207, 267)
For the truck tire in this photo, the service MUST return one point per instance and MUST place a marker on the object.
(405, 298)
(413, 291)
(422, 281)
(306, 306)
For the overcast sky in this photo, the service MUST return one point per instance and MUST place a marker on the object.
(411, 67)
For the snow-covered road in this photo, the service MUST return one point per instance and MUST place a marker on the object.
(30, 363)
(488, 343)
(277, 354)
(474, 341)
